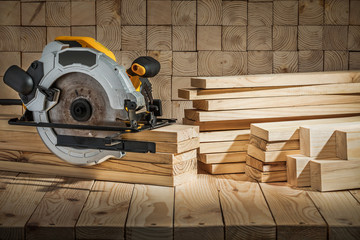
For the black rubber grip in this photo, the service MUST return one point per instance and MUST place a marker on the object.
(151, 65)
(19, 80)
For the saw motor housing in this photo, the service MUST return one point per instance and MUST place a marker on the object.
(84, 62)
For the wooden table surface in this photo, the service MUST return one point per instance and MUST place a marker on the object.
(231, 207)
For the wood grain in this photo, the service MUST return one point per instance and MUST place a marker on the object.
(274, 156)
(183, 13)
(274, 146)
(109, 36)
(165, 59)
(54, 32)
(354, 60)
(336, 12)
(259, 38)
(227, 157)
(234, 13)
(336, 60)
(209, 63)
(298, 170)
(265, 167)
(10, 38)
(285, 13)
(10, 13)
(310, 37)
(58, 13)
(133, 38)
(133, 12)
(19, 201)
(89, 31)
(104, 213)
(57, 213)
(223, 168)
(348, 144)
(246, 214)
(8, 59)
(259, 62)
(183, 37)
(233, 146)
(33, 39)
(83, 13)
(158, 38)
(127, 57)
(178, 109)
(161, 87)
(354, 35)
(197, 212)
(184, 63)
(234, 63)
(108, 12)
(208, 38)
(335, 37)
(151, 213)
(260, 14)
(276, 176)
(293, 212)
(218, 136)
(209, 12)
(354, 18)
(159, 13)
(285, 38)
(234, 38)
(311, 61)
(340, 210)
(286, 62)
(33, 14)
(311, 12)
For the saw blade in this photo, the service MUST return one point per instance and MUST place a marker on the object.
(83, 101)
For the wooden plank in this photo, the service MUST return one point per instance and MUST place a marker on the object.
(233, 37)
(133, 12)
(298, 170)
(177, 108)
(159, 38)
(245, 211)
(311, 61)
(295, 215)
(332, 39)
(266, 113)
(336, 60)
(208, 38)
(261, 62)
(265, 167)
(213, 147)
(274, 146)
(334, 175)
(223, 168)
(289, 130)
(151, 213)
(336, 12)
(105, 211)
(274, 156)
(285, 62)
(5, 179)
(234, 13)
(209, 12)
(285, 38)
(33, 14)
(92, 173)
(348, 145)
(184, 63)
(158, 13)
(218, 125)
(132, 38)
(220, 136)
(19, 201)
(269, 102)
(310, 37)
(260, 14)
(197, 211)
(277, 176)
(320, 140)
(57, 213)
(184, 13)
(253, 92)
(184, 37)
(228, 157)
(311, 12)
(356, 194)
(285, 13)
(341, 212)
(83, 13)
(267, 80)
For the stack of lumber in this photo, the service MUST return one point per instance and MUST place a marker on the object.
(174, 162)
(225, 107)
(329, 159)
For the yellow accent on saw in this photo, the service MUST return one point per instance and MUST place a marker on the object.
(138, 69)
(88, 42)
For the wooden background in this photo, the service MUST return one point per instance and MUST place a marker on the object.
(191, 38)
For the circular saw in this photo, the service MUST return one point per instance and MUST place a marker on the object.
(81, 100)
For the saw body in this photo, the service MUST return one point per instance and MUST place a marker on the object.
(81, 100)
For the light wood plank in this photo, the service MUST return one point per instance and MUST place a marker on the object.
(223, 168)
(233, 146)
(295, 215)
(266, 113)
(227, 157)
(274, 156)
(19, 201)
(320, 140)
(356, 194)
(269, 102)
(334, 175)
(341, 212)
(5, 179)
(57, 213)
(220, 136)
(348, 145)
(197, 210)
(218, 125)
(105, 211)
(200, 94)
(150, 213)
(277, 176)
(289, 130)
(245, 211)
(265, 167)
(290, 79)
(298, 170)
(274, 146)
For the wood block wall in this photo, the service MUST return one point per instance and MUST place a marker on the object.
(191, 37)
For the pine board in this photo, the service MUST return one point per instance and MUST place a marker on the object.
(268, 113)
(293, 212)
(254, 92)
(197, 212)
(289, 79)
(274, 156)
(214, 147)
(289, 130)
(227, 157)
(245, 211)
(271, 102)
(105, 211)
(274, 146)
(277, 176)
(218, 125)
(298, 170)
(223, 168)
(265, 167)
(221, 136)
(348, 145)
